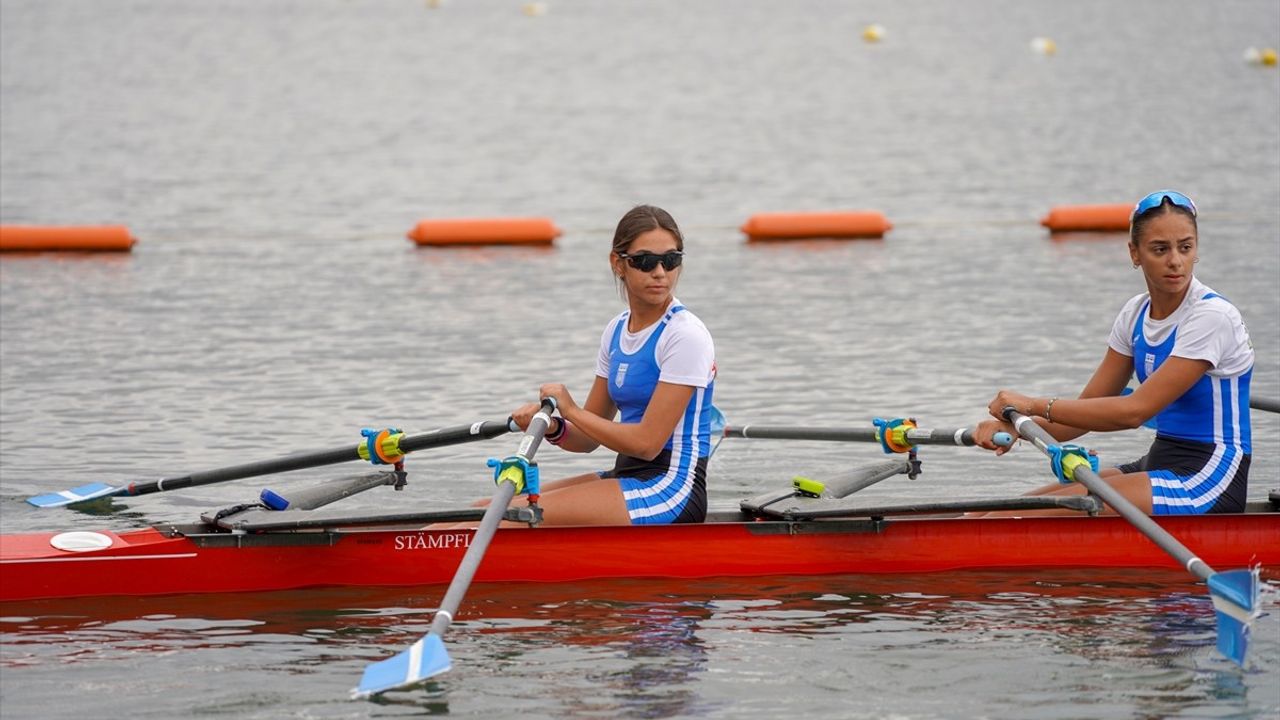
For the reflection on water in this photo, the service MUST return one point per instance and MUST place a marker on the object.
(653, 650)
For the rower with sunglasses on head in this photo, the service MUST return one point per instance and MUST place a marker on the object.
(1191, 353)
(656, 368)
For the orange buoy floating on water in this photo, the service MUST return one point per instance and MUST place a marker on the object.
(799, 225)
(1097, 218)
(35, 238)
(485, 231)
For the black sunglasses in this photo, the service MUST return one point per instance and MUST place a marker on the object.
(647, 261)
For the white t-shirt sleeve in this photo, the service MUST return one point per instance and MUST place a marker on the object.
(685, 353)
(1215, 332)
(1121, 339)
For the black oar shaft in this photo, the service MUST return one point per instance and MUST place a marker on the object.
(1031, 430)
(916, 436)
(320, 458)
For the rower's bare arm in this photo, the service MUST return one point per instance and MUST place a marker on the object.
(1108, 410)
(644, 439)
(600, 405)
(1109, 380)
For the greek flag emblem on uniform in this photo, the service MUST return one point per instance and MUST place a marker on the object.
(621, 376)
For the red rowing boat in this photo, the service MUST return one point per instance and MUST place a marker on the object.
(204, 558)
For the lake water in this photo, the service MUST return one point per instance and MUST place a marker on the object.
(271, 155)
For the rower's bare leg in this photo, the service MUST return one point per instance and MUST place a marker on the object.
(586, 499)
(1105, 473)
(1135, 487)
(594, 501)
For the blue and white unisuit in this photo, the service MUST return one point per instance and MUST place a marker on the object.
(672, 487)
(1199, 462)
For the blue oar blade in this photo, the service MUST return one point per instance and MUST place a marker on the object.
(1235, 602)
(423, 660)
(92, 491)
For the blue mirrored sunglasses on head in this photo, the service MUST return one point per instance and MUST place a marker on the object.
(1156, 199)
(647, 261)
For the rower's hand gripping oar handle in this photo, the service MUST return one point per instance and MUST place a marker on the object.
(519, 469)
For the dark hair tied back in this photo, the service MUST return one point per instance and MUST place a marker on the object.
(640, 220)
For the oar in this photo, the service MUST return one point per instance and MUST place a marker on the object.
(1264, 403)
(427, 657)
(1234, 592)
(914, 436)
(297, 461)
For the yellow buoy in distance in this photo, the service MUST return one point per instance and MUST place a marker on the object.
(873, 33)
(1265, 56)
(535, 9)
(1044, 46)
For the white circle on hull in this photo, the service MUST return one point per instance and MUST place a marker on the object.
(80, 541)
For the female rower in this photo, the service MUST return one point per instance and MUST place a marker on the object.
(1191, 352)
(657, 368)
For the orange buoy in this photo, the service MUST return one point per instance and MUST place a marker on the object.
(485, 231)
(108, 238)
(1098, 218)
(789, 226)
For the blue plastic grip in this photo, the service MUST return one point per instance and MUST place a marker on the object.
(530, 471)
(1057, 453)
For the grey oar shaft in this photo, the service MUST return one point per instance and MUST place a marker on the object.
(335, 490)
(471, 560)
(489, 525)
(1031, 430)
(916, 436)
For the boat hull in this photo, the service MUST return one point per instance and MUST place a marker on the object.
(178, 561)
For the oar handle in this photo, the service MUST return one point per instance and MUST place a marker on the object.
(318, 458)
(915, 436)
(1030, 430)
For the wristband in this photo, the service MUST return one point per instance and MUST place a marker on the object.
(1048, 409)
(562, 427)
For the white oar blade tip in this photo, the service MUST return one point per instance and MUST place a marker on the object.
(92, 491)
(1236, 604)
(423, 660)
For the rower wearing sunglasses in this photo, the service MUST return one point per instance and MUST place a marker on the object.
(656, 370)
(1191, 353)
